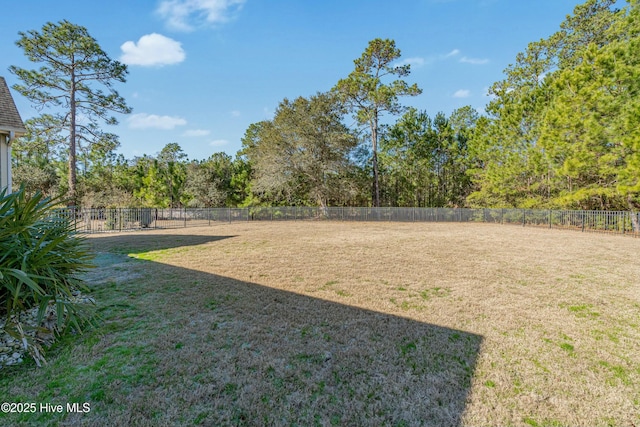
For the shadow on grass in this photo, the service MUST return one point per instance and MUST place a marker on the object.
(126, 244)
(190, 347)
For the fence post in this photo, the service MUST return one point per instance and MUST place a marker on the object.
(549, 218)
(524, 217)
(583, 221)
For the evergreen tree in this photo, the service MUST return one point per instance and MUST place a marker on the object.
(72, 63)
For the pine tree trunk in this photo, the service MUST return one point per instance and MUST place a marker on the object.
(72, 144)
(376, 178)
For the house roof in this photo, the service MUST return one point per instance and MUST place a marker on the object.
(10, 120)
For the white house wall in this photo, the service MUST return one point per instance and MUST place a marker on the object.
(5, 163)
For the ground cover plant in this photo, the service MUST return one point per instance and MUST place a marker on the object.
(331, 323)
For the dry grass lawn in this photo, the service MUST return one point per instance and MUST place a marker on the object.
(331, 323)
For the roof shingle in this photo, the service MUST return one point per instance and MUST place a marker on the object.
(9, 117)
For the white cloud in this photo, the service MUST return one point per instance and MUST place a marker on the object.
(152, 49)
(474, 61)
(454, 52)
(462, 93)
(153, 121)
(185, 15)
(418, 62)
(235, 113)
(218, 142)
(414, 62)
(196, 132)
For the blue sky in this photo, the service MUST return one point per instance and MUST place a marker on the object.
(201, 71)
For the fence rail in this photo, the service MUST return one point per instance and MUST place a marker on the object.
(127, 219)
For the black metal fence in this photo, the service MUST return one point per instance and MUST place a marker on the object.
(126, 219)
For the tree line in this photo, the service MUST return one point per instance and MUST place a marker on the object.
(561, 131)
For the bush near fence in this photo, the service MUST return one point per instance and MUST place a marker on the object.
(127, 219)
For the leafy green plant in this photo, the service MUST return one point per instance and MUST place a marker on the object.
(40, 256)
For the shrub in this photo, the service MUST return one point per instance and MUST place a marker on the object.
(40, 256)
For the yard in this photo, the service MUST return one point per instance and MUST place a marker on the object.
(332, 323)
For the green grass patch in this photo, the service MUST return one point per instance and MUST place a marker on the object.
(407, 347)
(617, 374)
(569, 348)
(436, 292)
(150, 256)
(405, 304)
(581, 310)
